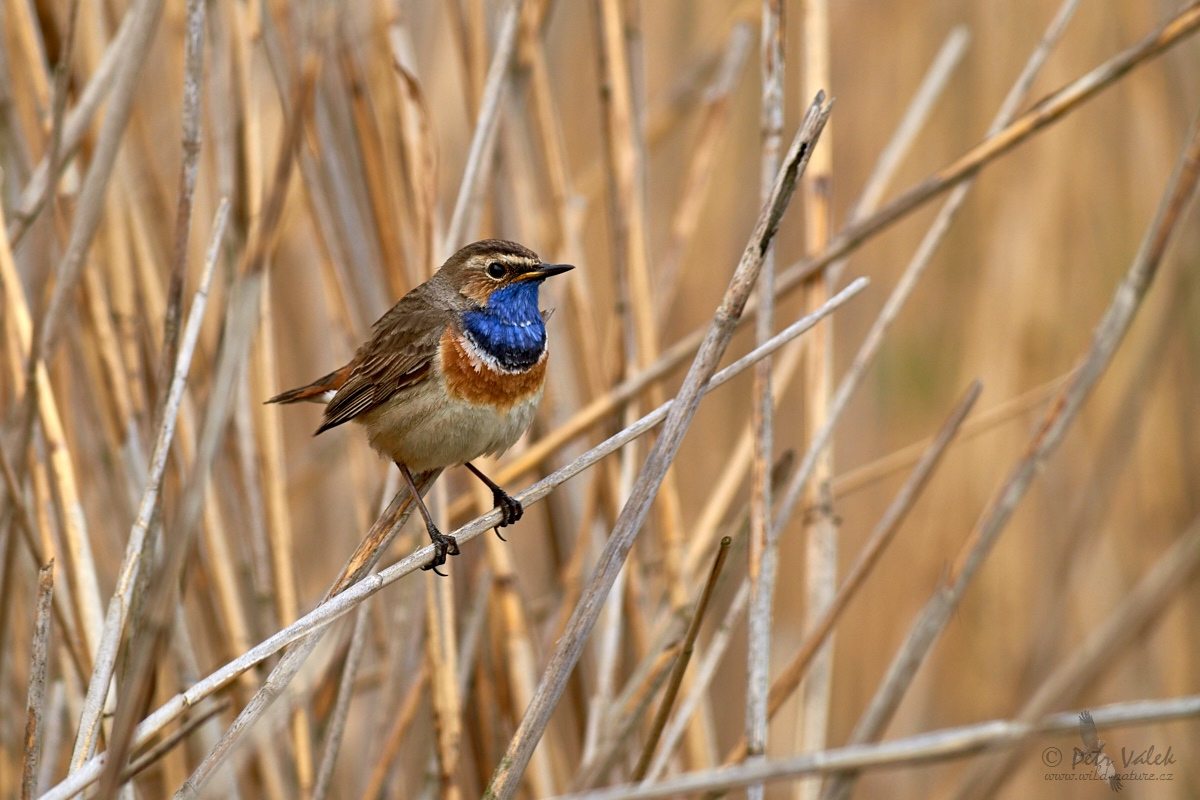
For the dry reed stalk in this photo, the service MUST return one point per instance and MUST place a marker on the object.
(420, 159)
(272, 461)
(173, 768)
(193, 78)
(1107, 465)
(704, 675)
(147, 759)
(119, 605)
(483, 138)
(43, 338)
(59, 97)
(623, 105)
(816, 634)
(442, 654)
(693, 191)
(519, 647)
(70, 641)
(136, 26)
(507, 776)
(718, 641)
(681, 664)
(913, 750)
(821, 558)
(467, 649)
(35, 703)
(1136, 615)
(36, 525)
(357, 567)
(911, 123)
(61, 77)
(820, 526)
(80, 586)
(383, 174)
(28, 46)
(103, 335)
(627, 712)
(395, 738)
(1107, 336)
(95, 184)
(239, 324)
(624, 182)
(123, 307)
(760, 564)
(153, 296)
(624, 711)
(570, 576)
(590, 374)
(662, 119)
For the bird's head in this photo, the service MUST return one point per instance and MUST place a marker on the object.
(498, 275)
(499, 283)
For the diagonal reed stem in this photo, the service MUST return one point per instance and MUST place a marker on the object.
(35, 703)
(923, 748)
(885, 530)
(119, 604)
(507, 776)
(681, 663)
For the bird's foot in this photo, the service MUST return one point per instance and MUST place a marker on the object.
(443, 546)
(510, 509)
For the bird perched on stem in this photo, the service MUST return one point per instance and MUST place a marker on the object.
(452, 372)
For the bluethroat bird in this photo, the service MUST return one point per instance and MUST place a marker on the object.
(452, 372)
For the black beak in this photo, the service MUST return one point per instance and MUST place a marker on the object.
(546, 271)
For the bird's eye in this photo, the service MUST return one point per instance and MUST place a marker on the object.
(495, 270)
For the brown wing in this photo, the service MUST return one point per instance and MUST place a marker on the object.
(398, 355)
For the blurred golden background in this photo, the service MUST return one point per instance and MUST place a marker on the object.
(644, 172)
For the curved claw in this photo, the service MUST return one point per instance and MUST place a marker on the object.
(497, 530)
(443, 546)
(510, 507)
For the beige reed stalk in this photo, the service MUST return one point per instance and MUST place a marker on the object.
(761, 566)
(820, 529)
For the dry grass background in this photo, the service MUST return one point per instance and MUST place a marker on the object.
(1011, 297)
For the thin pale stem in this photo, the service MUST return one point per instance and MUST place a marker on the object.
(681, 664)
(758, 647)
(35, 703)
(119, 604)
(924, 748)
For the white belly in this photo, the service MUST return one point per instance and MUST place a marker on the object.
(425, 428)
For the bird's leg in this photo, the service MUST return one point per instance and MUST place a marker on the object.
(443, 545)
(510, 507)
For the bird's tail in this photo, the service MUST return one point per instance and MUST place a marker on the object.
(321, 390)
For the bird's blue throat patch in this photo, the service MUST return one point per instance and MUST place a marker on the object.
(509, 328)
